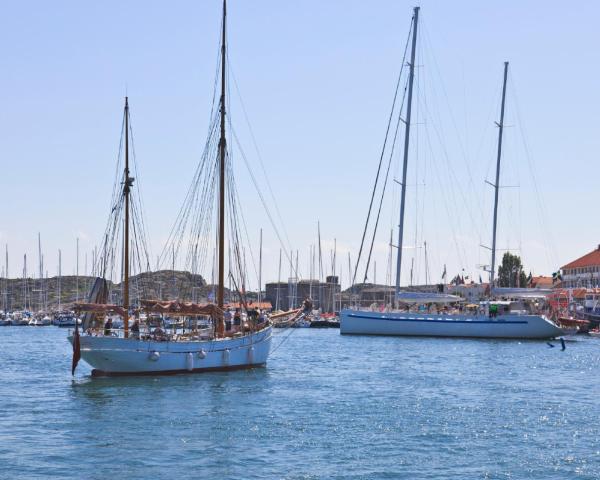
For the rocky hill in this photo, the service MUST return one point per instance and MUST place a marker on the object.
(163, 285)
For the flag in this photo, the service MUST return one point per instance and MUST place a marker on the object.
(444, 273)
(76, 348)
(556, 277)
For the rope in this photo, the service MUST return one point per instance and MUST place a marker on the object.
(381, 156)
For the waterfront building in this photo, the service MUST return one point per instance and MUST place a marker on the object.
(583, 272)
(291, 294)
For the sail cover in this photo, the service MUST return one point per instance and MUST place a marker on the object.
(521, 292)
(426, 297)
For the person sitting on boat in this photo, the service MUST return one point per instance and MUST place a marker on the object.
(307, 305)
(135, 329)
(237, 318)
(159, 333)
(228, 322)
(108, 327)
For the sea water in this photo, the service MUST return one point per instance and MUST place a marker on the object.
(326, 406)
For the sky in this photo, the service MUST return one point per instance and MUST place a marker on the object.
(316, 80)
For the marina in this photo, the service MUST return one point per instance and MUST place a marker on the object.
(333, 246)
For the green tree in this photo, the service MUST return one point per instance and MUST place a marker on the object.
(510, 272)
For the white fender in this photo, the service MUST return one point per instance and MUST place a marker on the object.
(154, 356)
(202, 354)
(226, 356)
(251, 355)
(189, 361)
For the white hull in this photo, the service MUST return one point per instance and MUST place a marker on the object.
(361, 322)
(113, 356)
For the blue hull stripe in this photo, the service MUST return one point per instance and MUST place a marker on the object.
(434, 320)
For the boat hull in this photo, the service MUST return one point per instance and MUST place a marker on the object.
(113, 356)
(359, 322)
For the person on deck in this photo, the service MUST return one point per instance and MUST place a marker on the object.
(307, 305)
(135, 329)
(108, 327)
(237, 317)
(159, 333)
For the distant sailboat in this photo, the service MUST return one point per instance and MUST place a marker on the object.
(491, 324)
(148, 352)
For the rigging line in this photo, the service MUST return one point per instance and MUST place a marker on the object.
(445, 201)
(258, 154)
(239, 212)
(451, 171)
(180, 224)
(283, 340)
(385, 183)
(427, 43)
(262, 199)
(382, 154)
(137, 187)
(542, 214)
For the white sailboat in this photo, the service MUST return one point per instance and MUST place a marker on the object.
(484, 323)
(147, 351)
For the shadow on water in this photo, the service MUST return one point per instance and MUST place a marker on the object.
(103, 390)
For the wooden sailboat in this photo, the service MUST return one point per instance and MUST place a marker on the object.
(486, 324)
(144, 352)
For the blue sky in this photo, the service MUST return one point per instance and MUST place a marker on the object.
(316, 79)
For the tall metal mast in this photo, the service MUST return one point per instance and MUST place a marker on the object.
(497, 184)
(126, 191)
(222, 158)
(260, 270)
(406, 145)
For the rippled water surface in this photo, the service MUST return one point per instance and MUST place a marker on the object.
(327, 406)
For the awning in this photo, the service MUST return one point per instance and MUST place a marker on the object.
(180, 308)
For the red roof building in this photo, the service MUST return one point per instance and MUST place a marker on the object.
(541, 282)
(583, 272)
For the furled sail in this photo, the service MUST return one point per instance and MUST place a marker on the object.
(426, 297)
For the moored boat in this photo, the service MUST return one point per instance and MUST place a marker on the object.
(488, 324)
(140, 348)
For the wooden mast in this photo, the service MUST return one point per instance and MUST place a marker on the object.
(126, 191)
(222, 156)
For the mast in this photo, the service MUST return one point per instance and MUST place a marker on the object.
(222, 153)
(406, 145)
(6, 292)
(278, 283)
(59, 280)
(77, 274)
(497, 184)
(260, 270)
(126, 192)
(25, 282)
(41, 272)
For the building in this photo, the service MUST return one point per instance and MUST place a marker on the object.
(583, 272)
(541, 282)
(471, 292)
(291, 294)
